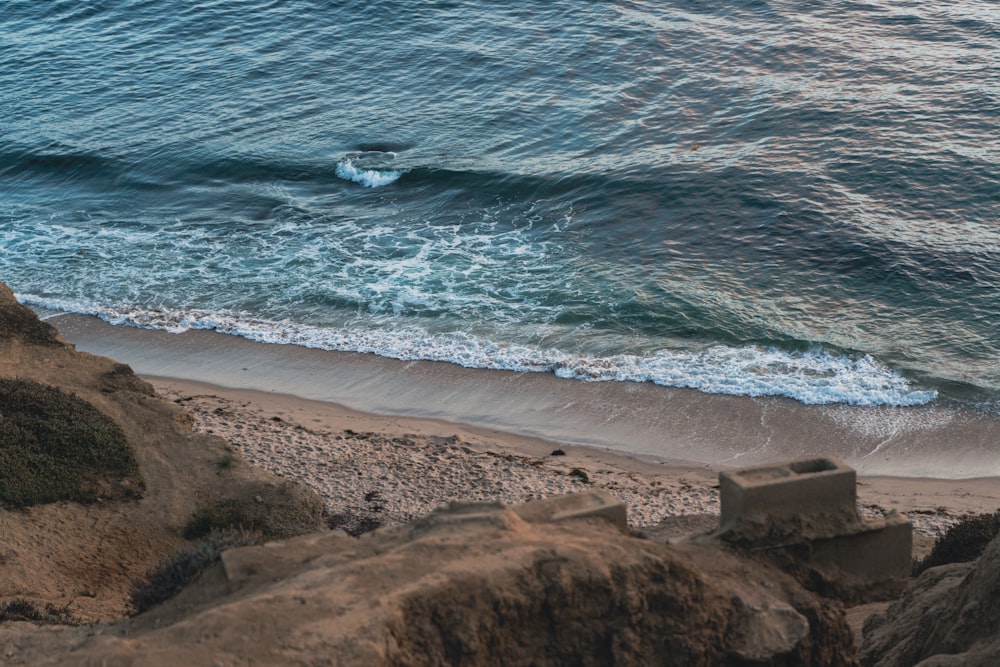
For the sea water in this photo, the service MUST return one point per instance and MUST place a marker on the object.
(784, 198)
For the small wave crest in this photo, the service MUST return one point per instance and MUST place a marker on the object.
(370, 178)
(816, 377)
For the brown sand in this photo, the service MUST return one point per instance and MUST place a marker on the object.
(408, 466)
(397, 468)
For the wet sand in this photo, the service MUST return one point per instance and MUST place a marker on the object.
(679, 426)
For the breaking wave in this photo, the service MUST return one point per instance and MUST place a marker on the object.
(370, 178)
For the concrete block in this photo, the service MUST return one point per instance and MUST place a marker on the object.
(588, 504)
(463, 513)
(880, 551)
(814, 502)
(820, 485)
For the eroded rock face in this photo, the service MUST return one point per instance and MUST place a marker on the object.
(950, 616)
(480, 587)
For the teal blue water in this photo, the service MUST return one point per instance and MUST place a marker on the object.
(764, 198)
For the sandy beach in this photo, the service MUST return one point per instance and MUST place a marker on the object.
(393, 469)
(387, 441)
(667, 424)
(400, 468)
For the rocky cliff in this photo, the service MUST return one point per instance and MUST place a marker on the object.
(949, 616)
(471, 585)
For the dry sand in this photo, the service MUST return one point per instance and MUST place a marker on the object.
(397, 468)
(409, 466)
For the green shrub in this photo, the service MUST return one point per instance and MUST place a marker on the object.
(213, 517)
(171, 575)
(55, 446)
(962, 542)
(280, 510)
(580, 474)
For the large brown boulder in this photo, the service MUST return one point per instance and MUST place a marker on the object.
(950, 616)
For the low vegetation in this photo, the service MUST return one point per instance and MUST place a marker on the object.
(962, 542)
(214, 517)
(55, 446)
(26, 610)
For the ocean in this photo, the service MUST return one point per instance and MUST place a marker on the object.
(753, 198)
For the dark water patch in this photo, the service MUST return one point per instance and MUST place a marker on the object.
(383, 147)
(68, 164)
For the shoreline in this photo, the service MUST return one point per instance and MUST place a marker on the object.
(391, 440)
(639, 420)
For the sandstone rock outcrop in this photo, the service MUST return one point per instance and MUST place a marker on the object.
(477, 585)
(950, 616)
(20, 322)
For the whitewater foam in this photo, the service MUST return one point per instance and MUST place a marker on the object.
(370, 178)
(816, 377)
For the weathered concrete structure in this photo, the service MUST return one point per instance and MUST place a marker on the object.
(779, 491)
(810, 506)
(596, 504)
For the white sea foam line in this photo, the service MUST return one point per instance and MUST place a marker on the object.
(816, 377)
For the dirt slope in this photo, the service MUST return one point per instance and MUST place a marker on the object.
(85, 557)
